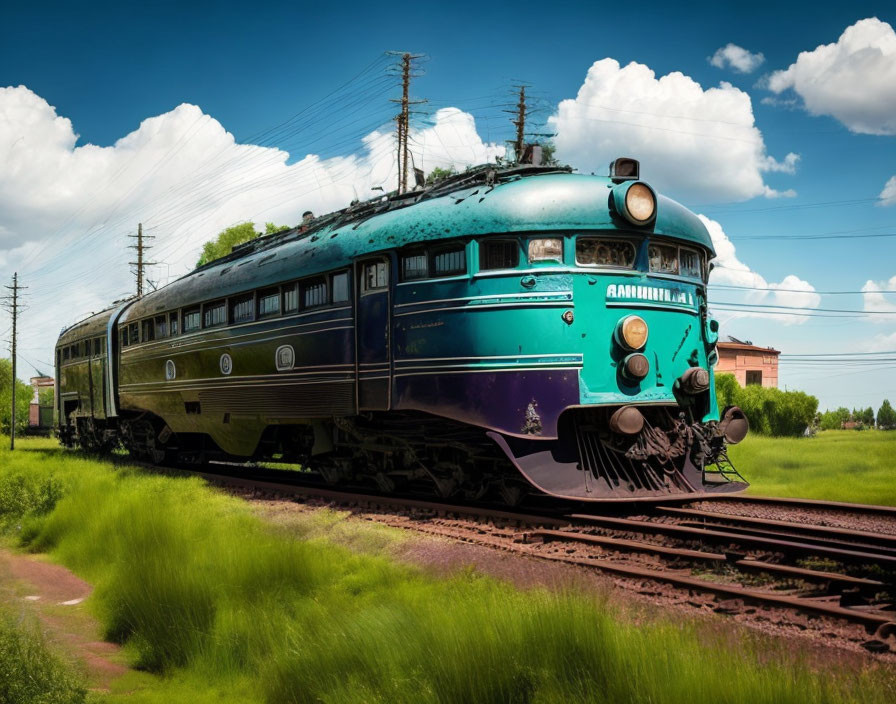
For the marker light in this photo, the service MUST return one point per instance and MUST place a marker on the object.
(635, 201)
(631, 332)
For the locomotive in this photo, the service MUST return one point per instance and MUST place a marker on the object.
(505, 332)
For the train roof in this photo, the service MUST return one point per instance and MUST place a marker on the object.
(486, 201)
(93, 325)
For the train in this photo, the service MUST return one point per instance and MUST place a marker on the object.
(508, 332)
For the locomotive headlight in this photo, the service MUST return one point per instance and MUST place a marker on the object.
(635, 201)
(631, 332)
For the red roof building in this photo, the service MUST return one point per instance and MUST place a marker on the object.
(749, 364)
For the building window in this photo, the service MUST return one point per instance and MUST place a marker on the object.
(214, 314)
(374, 276)
(548, 249)
(449, 262)
(149, 328)
(340, 287)
(161, 326)
(592, 251)
(172, 324)
(242, 309)
(269, 303)
(290, 298)
(192, 320)
(754, 377)
(499, 254)
(413, 266)
(314, 293)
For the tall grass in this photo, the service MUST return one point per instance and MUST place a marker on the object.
(199, 588)
(836, 465)
(29, 672)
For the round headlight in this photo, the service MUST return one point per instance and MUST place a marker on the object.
(631, 332)
(640, 203)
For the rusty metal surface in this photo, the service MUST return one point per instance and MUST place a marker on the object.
(805, 503)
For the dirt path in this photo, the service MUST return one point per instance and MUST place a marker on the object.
(57, 597)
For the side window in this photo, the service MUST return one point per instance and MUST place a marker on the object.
(65, 354)
(172, 324)
(314, 293)
(499, 254)
(374, 276)
(133, 333)
(290, 298)
(593, 251)
(268, 302)
(690, 263)
(96, 346)
(340, 287)
(149, 328)
(214, 314)
(663, 258)
(161, 326)
(123, 336)
(242, 309)
(191, 320)
(414, 266)
(546, 249)
(449, 262)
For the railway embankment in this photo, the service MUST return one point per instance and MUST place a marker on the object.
(229, 605)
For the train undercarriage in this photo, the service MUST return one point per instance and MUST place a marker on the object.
(597, 456)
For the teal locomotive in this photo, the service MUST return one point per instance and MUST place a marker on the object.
(508, 331)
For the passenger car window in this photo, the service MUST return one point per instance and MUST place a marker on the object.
(133, 333)
(499, 254)
(242, 309)
(595, 251)
(449, 262)
(374, 276)
(214, 314)
(269, 302)
(314, 293)
(413, 266)
(663, 259)
(172, 324)
(161, 326)
(191, 320)
(340, 287)
(148, 331)
(290, 298)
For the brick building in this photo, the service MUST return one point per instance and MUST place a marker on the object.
(40, 416)
(749, 364)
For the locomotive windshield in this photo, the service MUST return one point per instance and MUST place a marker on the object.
(593, 251)
(669, 259)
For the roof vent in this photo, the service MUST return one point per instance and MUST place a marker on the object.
(625, 169)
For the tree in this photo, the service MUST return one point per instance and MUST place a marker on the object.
(886, 416)
(770, 411)
(227, 239)
(548, 151)
(834, 420)
(439, 174)
(23, 398)
(45, 397)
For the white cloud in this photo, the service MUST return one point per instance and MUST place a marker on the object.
(877, 302)
(65, 210)
(853, 80)
(881, 343)
(888, 195)
(693, 143)
(792, 291)
(736, 57)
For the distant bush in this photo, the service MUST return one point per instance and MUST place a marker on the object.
(834, 420)
(886, 416)
(23, 494)
(769, 410)
(29, 672)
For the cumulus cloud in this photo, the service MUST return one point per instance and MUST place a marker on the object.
(888, 195)
(853, 80)
(737, 58)
(877, 302)
(694, 143)
(65, 209)
(729, 270)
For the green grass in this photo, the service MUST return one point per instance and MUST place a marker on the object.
(30, 673)
(230, 608)
(836, 465)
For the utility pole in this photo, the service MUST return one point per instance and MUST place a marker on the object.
(520, 123)
(141, 262)
(403, 119)
(13, 307)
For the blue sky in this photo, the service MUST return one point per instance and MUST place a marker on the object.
(120, 71)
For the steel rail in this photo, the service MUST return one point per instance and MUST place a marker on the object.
(717, 536)
(844, 534)
(798, 503)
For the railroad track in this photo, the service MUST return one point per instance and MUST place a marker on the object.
(809, 568)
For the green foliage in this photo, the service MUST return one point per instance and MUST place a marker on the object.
(835, 465)
(199, 588)
(231, 237)
(29, 672)
(834, 420)
(548, 151)
(439, 174)
(24, 393)
(769, 410)
(864, 417)
(886, 416)
(45, 397)
(23, 494)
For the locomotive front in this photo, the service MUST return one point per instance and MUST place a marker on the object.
(593, 343)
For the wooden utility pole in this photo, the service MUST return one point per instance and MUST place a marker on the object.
(141, 262)
(14, 311)
(403, 119)
(520, 122)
